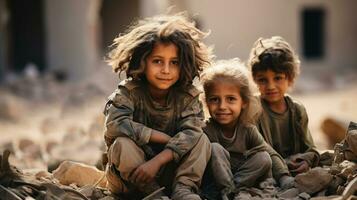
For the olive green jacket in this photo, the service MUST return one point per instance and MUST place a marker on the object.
(303, 144)
(247, 142)
(131, 112)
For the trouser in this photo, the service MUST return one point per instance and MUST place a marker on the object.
(124, 156)
(219, 176)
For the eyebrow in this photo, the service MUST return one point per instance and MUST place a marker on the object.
(158, 56)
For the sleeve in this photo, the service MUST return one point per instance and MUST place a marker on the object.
(119, 119)
(310, 155)
(189, 129)
(211, 133)
(255, 142)
(279, 167)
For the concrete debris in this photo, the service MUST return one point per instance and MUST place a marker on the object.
(73, 172)
(314, 180)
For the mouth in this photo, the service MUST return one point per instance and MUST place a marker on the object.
(222, 115)
(164, 79)
(271, 93)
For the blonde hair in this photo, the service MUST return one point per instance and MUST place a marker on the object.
(235, 72)
(132, 48)
(274, 54)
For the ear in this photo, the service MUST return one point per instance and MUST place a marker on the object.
(291, 82)
(244, 105)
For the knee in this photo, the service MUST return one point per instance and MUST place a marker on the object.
(117, 147)
(265, 162)
(218, 150)
(204, 145)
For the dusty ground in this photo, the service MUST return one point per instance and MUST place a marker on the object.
(339, 103)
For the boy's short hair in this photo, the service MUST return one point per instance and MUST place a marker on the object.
(132, 48)
(274, 54)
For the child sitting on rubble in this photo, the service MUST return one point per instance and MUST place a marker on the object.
(240, 157)
(153, 125)
(283, 122)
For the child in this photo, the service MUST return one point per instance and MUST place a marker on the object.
(239, 154)
(154, 118)
(284, 122)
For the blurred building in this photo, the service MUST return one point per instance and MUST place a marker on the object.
(72, 36)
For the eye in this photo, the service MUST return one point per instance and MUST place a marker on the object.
(279, 77)
(175, 62)
(261, 80)
(213, 100)
(157, 61)
(231, 99)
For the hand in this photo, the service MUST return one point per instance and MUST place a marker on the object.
(145, 173)
(298, 167)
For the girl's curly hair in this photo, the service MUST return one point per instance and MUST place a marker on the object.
(275, 54)
(233, 71)
(133, 47)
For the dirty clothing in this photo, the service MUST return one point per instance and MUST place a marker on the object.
(132, 113)
(124, 156)
(292, 140)
(242, 160)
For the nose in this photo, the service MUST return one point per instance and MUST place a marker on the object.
(270, 85)
(222, 105)
(165, 68)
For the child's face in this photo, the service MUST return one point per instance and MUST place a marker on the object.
(162, 67)
(224, 103)
(272, 85)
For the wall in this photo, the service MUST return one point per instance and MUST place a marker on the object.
(236, 24)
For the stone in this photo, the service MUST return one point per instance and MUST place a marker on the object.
(326, 158)
(30, 149)
(347, 168)
(304, 196)
(334, 128)
(314, 180)
(73, 172)
(289, 194)
(351, 143)
(332, 197)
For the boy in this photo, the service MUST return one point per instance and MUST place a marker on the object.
(284, 122)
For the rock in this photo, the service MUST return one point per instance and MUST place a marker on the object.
(43, 174)
(351, 143)
(326, 158)
(243, 196)
(30, 149)
(348, 168)
(72, 172)
(350, 190)
(314, 180)
(334, 185)
(9, 145)
(332, 197)
(91, 192)
(289, 194)
(25, 143)
(334, 128)
(50, 145)
(304, 196)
